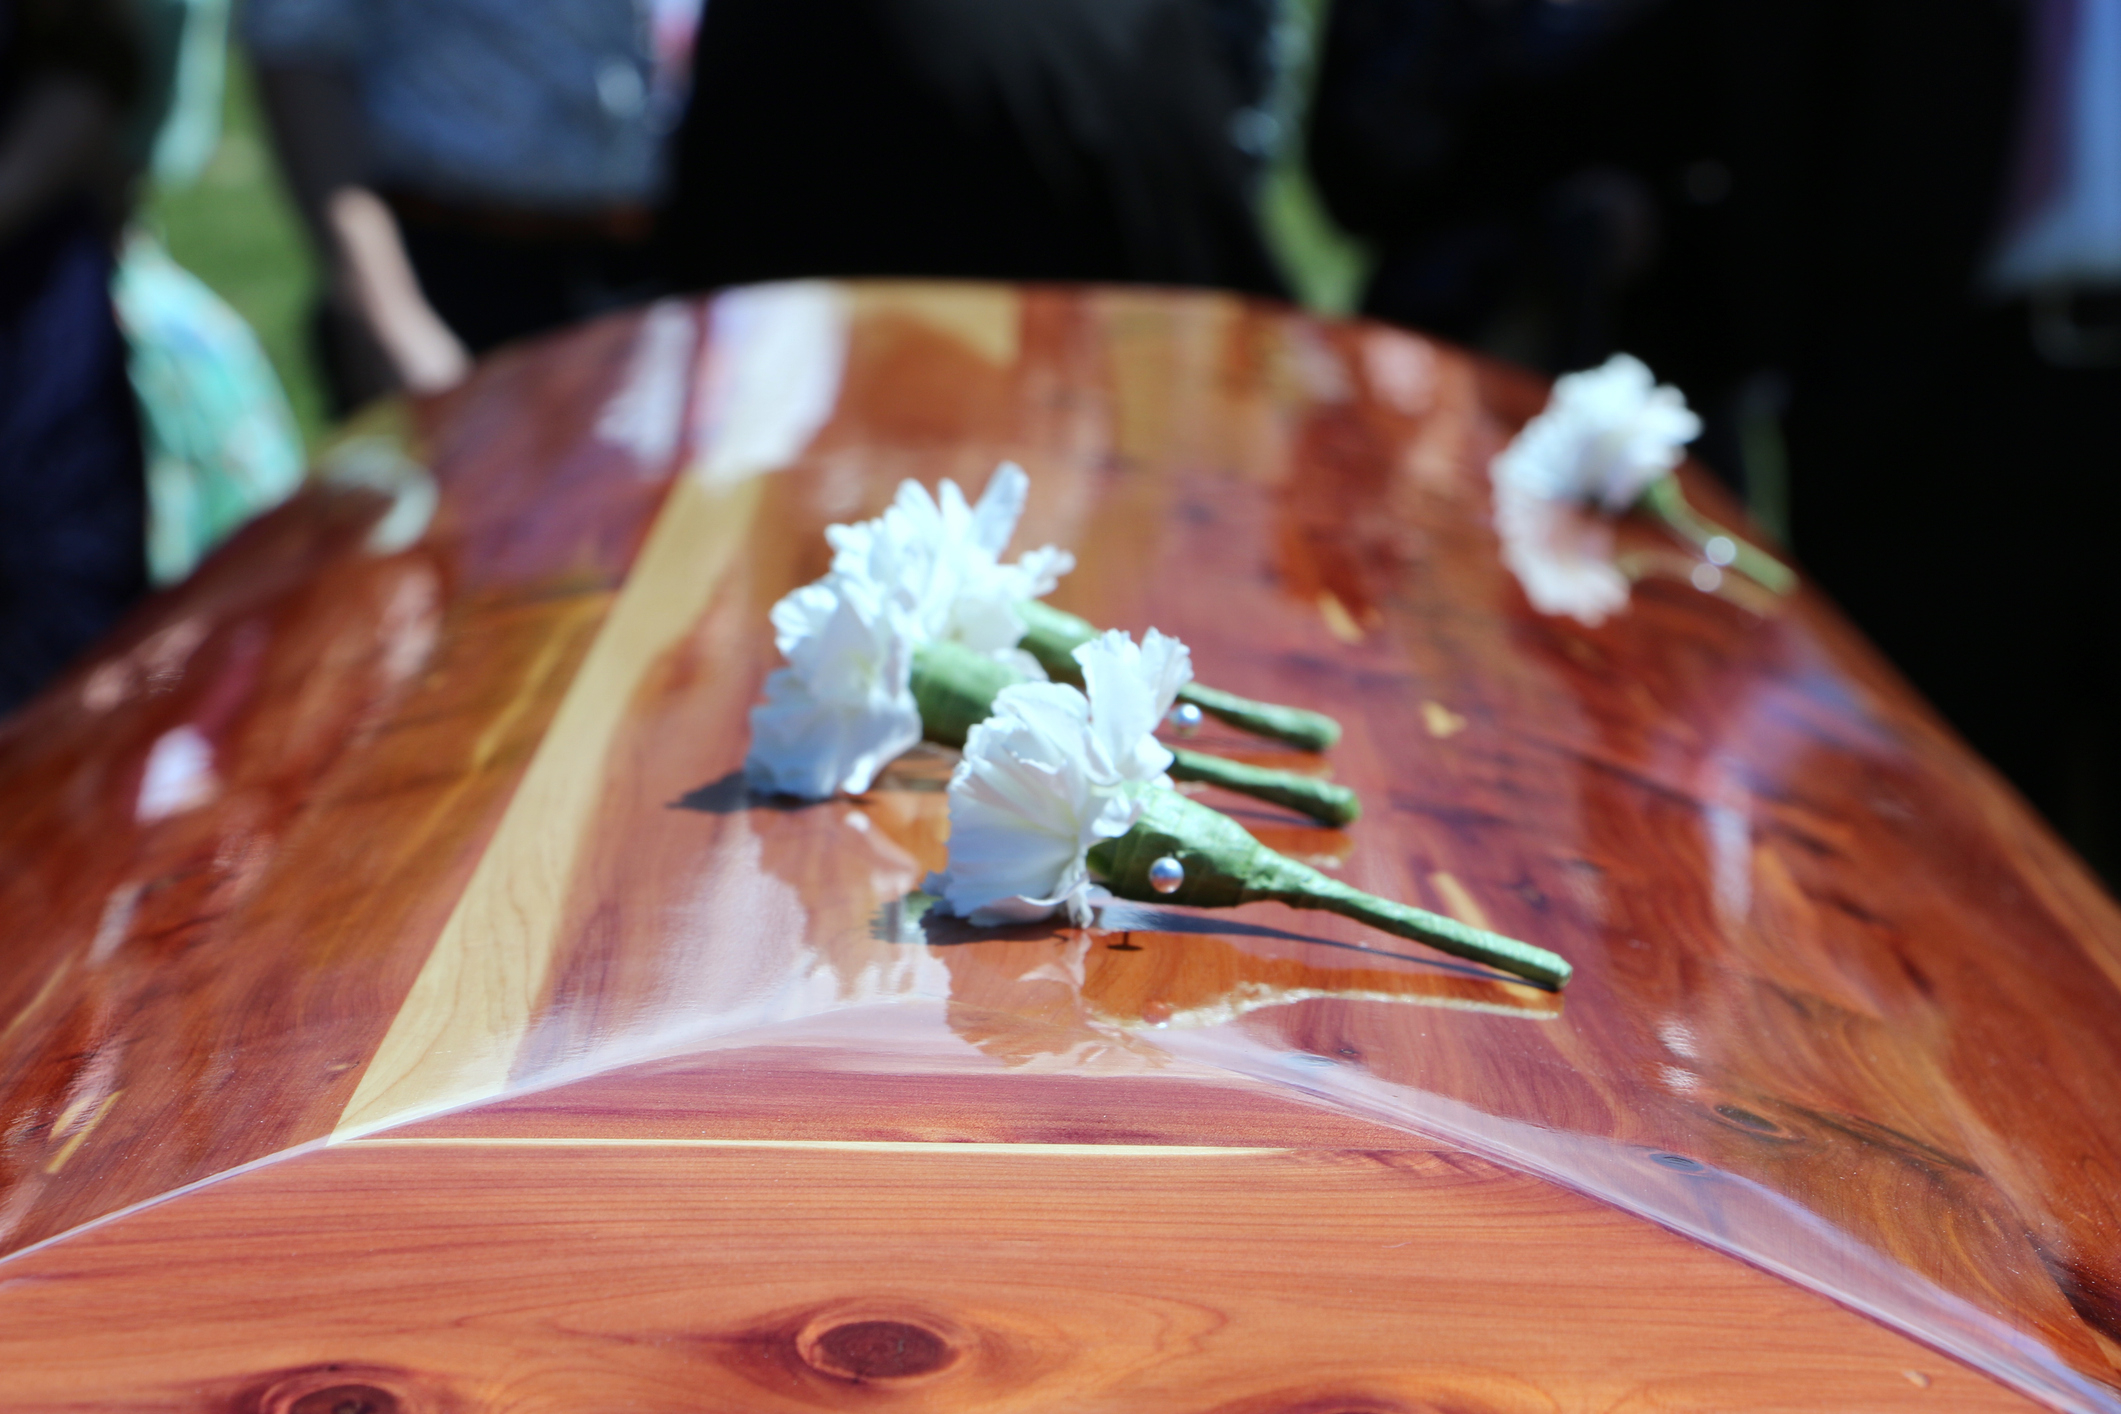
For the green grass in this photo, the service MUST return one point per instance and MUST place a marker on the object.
(237, 230)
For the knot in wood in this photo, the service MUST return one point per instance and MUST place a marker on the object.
(875, 1351)
(342, 1389)
(346, 1399)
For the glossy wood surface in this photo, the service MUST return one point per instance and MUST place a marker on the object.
(420, 861)
(1106, 1276)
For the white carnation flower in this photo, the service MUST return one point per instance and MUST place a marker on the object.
(1130, 688)
(843, 707)
(1050, 774)
(940, 557)
(1606, 434)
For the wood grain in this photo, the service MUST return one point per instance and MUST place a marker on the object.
(456, 1036)
(1842, 1036)
(225, 970)
(779, 1278)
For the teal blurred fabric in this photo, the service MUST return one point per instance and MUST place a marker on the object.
(222, 445)
(221, 442)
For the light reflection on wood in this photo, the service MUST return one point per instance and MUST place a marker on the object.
(1842, 1010)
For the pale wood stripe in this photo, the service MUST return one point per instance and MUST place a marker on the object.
(66, 1151)
(455, 1038)
(935, 1148)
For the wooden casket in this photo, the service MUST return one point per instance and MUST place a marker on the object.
(405, 1007)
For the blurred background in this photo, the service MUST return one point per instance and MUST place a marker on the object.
(1876, 242)
(236, 229)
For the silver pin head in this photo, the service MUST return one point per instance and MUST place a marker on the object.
(1166, 874)
(1721, 550)
(1186, 717)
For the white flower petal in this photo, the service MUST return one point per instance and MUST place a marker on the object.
(900, 553)
(927, 569)
(1130, 689)
(1038, 572)
(938, 560)
(1001, 505)
(987, 623)
(1019, 805)
(1050, 774)
(843, 707)
(1027, 667)
(956, 512)
(804, 746)
(800, 614)
(1605, 435)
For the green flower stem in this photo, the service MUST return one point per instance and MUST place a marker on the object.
(1313, 731)
(1052, 636)
(955, 689)
(1225, 866)
(1666, 500)
(1323, 801)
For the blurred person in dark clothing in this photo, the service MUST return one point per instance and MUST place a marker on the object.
(1955, 430)
(1036, 139)
(1835, 224)
(72, 493)
(474, 170)
(1554, 181)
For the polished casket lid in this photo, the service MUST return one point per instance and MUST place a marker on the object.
(405, 1002)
